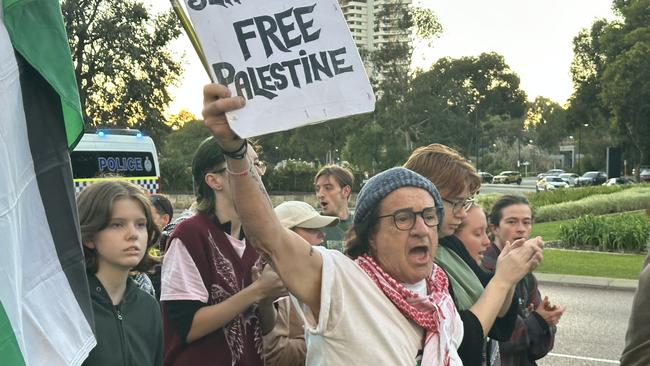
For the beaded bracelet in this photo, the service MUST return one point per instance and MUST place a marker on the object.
(238, 154)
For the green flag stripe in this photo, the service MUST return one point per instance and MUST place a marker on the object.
(8, 345)
(38, 34)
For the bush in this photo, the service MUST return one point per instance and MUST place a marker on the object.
(625, 232)
(632, 199)
(546, 198)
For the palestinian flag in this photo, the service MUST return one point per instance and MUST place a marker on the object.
(45, 309)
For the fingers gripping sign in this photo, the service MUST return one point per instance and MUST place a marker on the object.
(217, 100)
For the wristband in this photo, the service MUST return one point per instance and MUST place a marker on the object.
(238, 154)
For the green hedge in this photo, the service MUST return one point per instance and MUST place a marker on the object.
(546, 198)
(624, 232)
(632, 199)
(298, 176)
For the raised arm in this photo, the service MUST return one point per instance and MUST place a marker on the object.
(294, 259)
(514, 262)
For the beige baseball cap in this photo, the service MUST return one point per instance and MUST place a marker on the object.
(301, 214)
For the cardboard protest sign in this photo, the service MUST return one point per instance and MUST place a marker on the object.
(294, 61)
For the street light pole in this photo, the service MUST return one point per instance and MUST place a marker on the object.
(580, 147)
(478, 135)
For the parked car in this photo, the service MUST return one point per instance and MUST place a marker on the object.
(618, 181)
(555, 172)
(591, 179)
(485, 177)
(569, 178)
(550, 182)
(508, 176)
(645, 175)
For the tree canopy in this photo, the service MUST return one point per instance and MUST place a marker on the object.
(611, 74)
(123, 62)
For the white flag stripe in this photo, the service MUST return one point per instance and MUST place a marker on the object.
(47, 321)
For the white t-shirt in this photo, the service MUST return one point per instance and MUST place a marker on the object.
(359, 325)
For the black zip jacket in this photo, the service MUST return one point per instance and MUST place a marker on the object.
(129, 334)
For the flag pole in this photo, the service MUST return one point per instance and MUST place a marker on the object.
(187, 26)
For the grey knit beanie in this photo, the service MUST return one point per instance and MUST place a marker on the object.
(380, 185)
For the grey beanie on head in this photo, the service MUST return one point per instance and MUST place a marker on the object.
(382, 184)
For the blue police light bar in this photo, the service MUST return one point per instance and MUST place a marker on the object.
(117, 131)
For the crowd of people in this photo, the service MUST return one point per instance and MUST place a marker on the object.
(418, 274)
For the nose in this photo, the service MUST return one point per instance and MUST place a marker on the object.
(485, 240)
(461, 213)
(520, 227)
(132, 231)
(319, 193)
(419, 227)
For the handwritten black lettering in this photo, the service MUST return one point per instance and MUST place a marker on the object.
(275, 32)
(268, 80)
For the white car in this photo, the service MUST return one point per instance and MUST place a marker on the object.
(550, 182)
(569, 178)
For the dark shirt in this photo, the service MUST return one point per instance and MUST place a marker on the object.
(471, 348)
(532, 337)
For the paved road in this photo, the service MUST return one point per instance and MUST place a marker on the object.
(592, 331)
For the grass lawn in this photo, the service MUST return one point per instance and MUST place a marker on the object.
(583, 263)
(549, 231)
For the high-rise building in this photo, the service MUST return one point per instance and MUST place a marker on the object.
(369, 26)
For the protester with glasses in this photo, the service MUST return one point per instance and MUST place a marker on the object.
(484, 302)
(386, 304)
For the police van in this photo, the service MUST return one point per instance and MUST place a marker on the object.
(116, 154)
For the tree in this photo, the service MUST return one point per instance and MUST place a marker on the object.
(123, 63)
(611, 73)
(463, 95)
(546, 123)
(390, 66)
(626, 78)
(176, 156)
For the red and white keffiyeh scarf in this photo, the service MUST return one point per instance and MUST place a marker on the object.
(428, 312)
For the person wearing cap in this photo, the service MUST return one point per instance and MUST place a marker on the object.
(386, 303)
(212, 310)
(285, 343)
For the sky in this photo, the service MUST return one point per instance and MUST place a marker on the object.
(534, 36)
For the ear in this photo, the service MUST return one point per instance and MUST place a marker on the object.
(165, 219)
(213, 181)
(347, 190)
(89, 244)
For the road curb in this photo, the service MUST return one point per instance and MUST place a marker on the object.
(585, 281)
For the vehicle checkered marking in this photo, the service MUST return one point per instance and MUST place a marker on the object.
(151, 185)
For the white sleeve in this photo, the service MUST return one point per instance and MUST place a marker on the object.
(180, 279)
(331, 294)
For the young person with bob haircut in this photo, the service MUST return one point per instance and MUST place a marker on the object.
(117, 230)
(386, 304)
(485, 302)
(511, 219)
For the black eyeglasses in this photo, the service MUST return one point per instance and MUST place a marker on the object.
(465, 204)
(405, 219)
